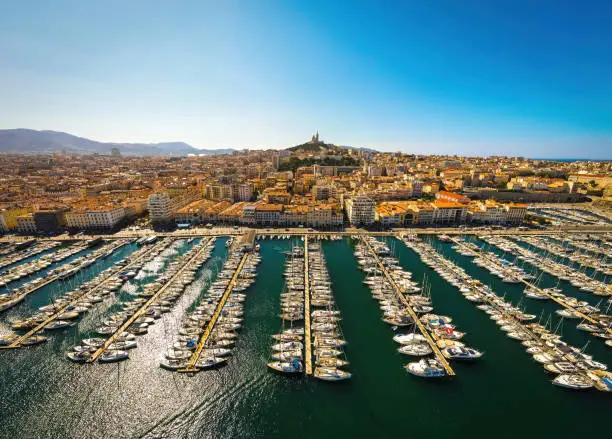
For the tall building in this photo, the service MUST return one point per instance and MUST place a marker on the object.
(360, 210)
(25, 223)
(244, 192)
(115, 152)
(160, 209)
(324, 192)
(49, 220)
(218, 191)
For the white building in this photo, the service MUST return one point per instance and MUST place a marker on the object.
(99, 218)
(244, 192)
(360, 210)
(25, 224)
(77, 220)
(105, 218)
(160, 207)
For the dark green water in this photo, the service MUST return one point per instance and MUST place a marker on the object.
(506, 394)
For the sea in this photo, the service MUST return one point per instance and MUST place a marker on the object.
(505, 394)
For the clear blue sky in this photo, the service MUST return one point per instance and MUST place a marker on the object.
(483, 77)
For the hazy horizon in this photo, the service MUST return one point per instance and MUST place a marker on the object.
(436, 77)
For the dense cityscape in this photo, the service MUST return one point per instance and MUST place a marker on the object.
(315, 185)
(305, 219)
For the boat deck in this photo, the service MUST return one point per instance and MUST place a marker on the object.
(17, 299)
(17, 343)
(191, 367)
(398, 292)
(307, 338)
(529, 284)
(145, 306)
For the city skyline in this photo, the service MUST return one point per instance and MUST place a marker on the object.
(525, 80)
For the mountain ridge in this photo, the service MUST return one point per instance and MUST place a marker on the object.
(28, 141)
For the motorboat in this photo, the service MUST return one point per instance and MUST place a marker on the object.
(57, 324)
(95, 342)
(288, 367)
(427, 368)
(415, 349)
(409, 338)
(112, 356)
(331, 374)
(79, 356)
(573, 381)
(461, 353)
(210, 362)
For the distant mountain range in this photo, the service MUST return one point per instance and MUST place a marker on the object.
(25, 141)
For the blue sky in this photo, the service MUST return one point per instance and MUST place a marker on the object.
(473, 77)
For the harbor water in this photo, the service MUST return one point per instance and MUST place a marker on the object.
(505, 394)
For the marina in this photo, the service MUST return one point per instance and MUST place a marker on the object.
(218, 326)
(62, 272)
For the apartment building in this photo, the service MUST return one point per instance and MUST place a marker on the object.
(243, 192)
(9, 216)
(360, 210)
(163, 207)
(25, 223)
(268, 214)
(193, 213)
(324, 192)
(219, 191)
(448, 212)
(95, 218)
(515, 213)
(50, 219)
(160, 208)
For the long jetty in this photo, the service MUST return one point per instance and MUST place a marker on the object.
(144, 307)
(540, 290)
(19, 340)
(191, 366)
(417, 321)
(307, 334)
(17, 299)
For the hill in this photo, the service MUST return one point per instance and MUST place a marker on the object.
(314, 147)
(26, 141)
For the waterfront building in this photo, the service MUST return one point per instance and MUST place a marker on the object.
(50, 219)
(25, 224)
(360, 210)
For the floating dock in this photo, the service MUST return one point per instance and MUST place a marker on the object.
(398, 292)
(19, 340)
(529, 284)
(17, 299)
(191, 367)
(144, 307)
(307, 335)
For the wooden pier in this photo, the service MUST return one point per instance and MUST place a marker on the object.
(19, 340)
(145, 306)
(529, 284)
(479, 286)
(52, 279)
(415, 317)
(191, 367)
(307, 334)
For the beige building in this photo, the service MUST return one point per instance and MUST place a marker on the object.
(360, 210)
